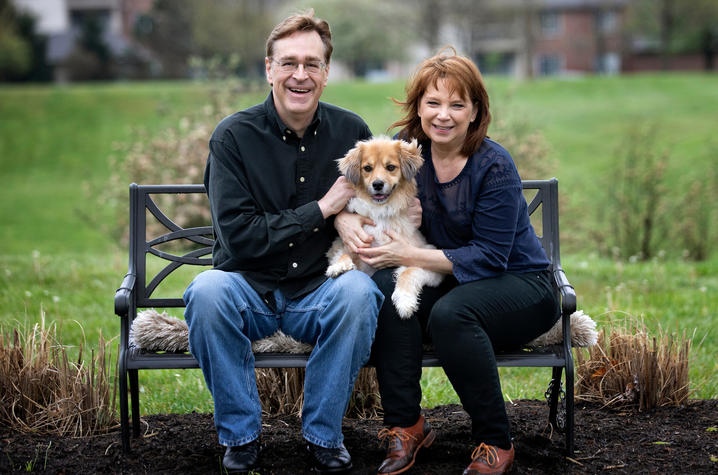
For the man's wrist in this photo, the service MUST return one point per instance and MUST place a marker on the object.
(324, 209)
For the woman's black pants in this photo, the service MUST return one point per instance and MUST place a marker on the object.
(466, 323)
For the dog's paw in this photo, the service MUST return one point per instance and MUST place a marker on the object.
(405, 303)
(340, 267)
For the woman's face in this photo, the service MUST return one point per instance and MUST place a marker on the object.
(445, 117)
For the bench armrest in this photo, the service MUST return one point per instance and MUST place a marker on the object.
(124, 294)
(568, 304)
(568, 294)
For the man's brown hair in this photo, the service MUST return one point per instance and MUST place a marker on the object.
(302, 22)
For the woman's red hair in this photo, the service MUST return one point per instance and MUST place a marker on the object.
(463, 77)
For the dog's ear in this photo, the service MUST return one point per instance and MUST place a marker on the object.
(350, 164)
(411, 159)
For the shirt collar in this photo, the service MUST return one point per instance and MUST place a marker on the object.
(282, 127)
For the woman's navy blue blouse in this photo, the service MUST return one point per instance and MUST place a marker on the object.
(480, 218)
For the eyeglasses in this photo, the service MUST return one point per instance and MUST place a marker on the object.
(291, 66)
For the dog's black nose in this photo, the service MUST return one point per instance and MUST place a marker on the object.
(378, 185)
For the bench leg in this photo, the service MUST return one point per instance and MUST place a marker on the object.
(561, 405)
(569, 406)
(135, 393)
(554, 394)
(124, 413)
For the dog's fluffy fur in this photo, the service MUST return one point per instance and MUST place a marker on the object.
(382, 171)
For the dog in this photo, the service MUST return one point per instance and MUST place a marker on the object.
(382, 172)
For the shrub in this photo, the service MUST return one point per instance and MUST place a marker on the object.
(641, 214)
(527, 147)
(694, 214)
(281, 391)
(628, 366)
(176, 155)
(41, 390)
(636, 196)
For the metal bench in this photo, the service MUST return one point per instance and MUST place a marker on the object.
(139, 284)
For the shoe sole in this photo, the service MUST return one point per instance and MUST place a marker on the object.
(333, 470)
(428, 440)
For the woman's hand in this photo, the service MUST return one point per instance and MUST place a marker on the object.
(396, 253)
(351, 230)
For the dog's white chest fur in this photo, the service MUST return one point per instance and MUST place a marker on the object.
(384, 217)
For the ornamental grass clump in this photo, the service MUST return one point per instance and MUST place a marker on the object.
(629, 366)
(281, 391)
(42, 391)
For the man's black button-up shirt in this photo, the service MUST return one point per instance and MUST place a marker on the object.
(263, 184)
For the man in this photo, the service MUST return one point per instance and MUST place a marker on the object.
(274, 189)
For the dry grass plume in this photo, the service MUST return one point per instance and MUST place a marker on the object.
(630, 366)
(281, 391)
(41, 390)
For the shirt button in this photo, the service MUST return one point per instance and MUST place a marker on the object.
(291, 244)
(289, 131)
(284, 137)
(302, 148)
(301, 178)
(315, 229)
(315, 132)
(295, 265)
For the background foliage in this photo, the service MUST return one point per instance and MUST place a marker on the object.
(176, 38)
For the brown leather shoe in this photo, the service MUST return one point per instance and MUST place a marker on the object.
(490, 459)
(404, 443)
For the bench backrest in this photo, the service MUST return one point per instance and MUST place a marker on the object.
(542, 197)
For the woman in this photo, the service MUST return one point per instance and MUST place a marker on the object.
(497, 293)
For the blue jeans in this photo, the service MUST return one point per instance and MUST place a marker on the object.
(225, 315)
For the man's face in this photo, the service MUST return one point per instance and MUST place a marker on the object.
(297, 92)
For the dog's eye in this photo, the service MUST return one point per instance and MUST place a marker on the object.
(367, 168)
(391, 168)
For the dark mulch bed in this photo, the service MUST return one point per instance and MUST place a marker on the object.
(667, 440)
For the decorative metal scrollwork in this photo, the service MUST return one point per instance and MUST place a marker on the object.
(198, 235)
(561, 405)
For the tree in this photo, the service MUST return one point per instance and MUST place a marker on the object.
(39, 69)
(177, 30)
(229, 29)
(166, 31)
(677, 26)
(15, 51)
(366, 34)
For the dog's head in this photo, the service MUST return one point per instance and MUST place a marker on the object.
(380, 166)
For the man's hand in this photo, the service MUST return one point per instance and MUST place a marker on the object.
(351, 231)
(414, 212)
(336, 198)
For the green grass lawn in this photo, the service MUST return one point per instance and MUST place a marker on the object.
(56, 142)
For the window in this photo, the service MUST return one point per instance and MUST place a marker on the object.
(609, 63)
(549, 65)
(550, 22)
(606, 21)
